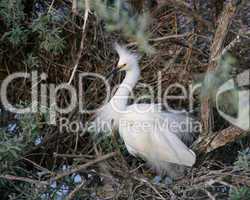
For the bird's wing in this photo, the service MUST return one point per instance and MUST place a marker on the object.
(187, 126)
(147, 134)
(178, 152)
(186, 129)
(106, 118)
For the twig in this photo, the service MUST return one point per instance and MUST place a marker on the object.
(231, 45)
(38, 166)
(24, 179)
(152, 187)
(70, 155)
(169, 37)
(51, 6)
(209, 195)
(185, 8)
(84, 166)
(86, 14)
(159, 39)
(74, 7)
(73, 193)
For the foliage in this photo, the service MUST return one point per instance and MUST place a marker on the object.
(12, 12)
(50, 38)
(12, 145)
(18, 32)
(243, 160)
(16, 35)
(242, 163)
(117, 17)
(242, 193)
(13, 15)
(10, 148)
(31, 61)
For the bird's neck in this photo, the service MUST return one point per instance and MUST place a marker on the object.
(120, 99)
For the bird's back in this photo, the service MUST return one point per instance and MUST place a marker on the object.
(147, 132)
(182, 125)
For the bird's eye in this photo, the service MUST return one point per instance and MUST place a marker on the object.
(121, 66)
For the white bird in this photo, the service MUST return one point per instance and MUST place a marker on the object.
(145, 128)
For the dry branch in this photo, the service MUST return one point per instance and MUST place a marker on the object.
(187, 10)
(74, 192)
(216, 51)
(151, 186)
(84, 166)
(86, 14)
(218, 139)
(224, 137)
(208, 140)
(74, 7)
(23, 179)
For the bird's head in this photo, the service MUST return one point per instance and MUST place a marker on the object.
(127, 60)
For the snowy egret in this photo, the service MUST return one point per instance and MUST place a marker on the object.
(145, 128)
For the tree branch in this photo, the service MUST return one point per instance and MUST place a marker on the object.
(216, 51)
(23, 179)
(86, 14)
(209, 141)
(187, 10)
(84, 166)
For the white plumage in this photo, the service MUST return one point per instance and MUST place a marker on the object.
(146, 129)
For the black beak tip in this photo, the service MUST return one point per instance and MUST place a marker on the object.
(113, 72)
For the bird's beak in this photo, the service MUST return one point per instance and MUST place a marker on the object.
(114, 71)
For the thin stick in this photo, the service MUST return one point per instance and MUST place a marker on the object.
(169, 37)
(159, 39)
(152, 187)
(71, 155)
(51, 6)
(24, 179)
(84, 166)
(231, 45)
(74, 6)
(38, 166)
(210, 195)
(187, 10)
(86, 14)
(73, 193)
